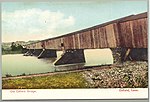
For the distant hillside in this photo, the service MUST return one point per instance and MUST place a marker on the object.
(7, 45)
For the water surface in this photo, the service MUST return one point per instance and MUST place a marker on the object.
(17, 64)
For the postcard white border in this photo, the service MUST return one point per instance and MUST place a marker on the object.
(116, 93)
(72, 93)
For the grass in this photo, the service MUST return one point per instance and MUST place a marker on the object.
(60, 81)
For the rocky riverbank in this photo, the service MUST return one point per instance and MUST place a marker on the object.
(127, 75)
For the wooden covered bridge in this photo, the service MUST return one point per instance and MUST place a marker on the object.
(127, 35)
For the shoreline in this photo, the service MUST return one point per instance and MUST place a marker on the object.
(58, 72)
(130, 74)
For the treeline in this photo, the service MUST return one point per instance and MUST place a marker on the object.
(13, 49)
(16, 47)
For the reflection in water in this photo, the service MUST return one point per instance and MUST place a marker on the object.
(18, 64)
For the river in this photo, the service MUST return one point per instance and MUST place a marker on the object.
(17, 64)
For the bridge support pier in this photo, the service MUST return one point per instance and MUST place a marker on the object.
(71, 57)
(134, 54)
(37, 52)
(137, 54)
(47, 53)
(29, 52)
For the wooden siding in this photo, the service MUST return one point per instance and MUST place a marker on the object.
(134, 33)
(131, 33)
(53, 44)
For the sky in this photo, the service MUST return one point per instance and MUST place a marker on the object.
(24, 21)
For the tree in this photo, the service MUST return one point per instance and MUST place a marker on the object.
(19, 47)
(3, 48)
(13, 46)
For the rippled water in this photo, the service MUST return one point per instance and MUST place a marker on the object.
(18, 64)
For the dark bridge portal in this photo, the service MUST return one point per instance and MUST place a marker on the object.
(121, 35)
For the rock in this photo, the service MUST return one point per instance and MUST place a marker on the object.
(131, 74)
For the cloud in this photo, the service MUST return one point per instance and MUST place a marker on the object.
(34, 23)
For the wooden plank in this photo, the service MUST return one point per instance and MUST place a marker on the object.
(128, 35)
(132, 35)
(143, 26)
(81, 40)
(68, 42)
(88, 40)
(137, 34)
(111, 40)
(122, 33)
(116, 33)
(103, 37)
(50, 44)
(74, 42)
(78, 37)
(93, 39)
(140, 34)
(96, 38)
(85, 40)
(58, 43)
